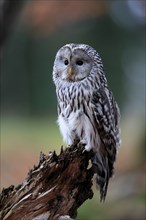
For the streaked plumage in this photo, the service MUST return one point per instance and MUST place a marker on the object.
(87, 111)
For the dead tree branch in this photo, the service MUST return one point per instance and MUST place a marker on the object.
(53, 189)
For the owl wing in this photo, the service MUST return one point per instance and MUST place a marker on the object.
(106, 117)
(106, 114)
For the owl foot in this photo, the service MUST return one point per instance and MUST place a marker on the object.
(82, 143)
(86, 147)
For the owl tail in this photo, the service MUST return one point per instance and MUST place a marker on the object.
(104, 169)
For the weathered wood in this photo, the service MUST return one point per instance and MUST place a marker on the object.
(53, 189)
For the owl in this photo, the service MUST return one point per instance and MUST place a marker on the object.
(87, 111)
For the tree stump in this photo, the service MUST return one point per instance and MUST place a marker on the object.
(54, 189)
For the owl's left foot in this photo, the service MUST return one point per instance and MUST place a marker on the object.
(88, 148)
(84, 144)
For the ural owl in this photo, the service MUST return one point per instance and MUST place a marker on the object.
(87, 111)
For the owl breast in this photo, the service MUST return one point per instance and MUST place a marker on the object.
(75, 116)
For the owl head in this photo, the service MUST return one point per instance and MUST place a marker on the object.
(75, 62)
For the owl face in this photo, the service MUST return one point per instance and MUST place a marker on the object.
(72, 63)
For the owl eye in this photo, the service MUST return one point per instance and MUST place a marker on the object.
(79, 62)
(66, 62)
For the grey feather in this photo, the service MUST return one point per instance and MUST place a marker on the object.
(87, 110)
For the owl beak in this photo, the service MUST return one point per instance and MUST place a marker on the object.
(70, 72)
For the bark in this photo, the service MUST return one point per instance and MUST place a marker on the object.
(54, 189)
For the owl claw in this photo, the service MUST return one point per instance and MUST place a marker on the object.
(81, 143)
(86, 149)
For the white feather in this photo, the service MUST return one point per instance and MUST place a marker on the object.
(73, 127)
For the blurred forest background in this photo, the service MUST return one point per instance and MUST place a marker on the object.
(116, 29)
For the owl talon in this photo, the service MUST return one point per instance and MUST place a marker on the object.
(81, 144)
(88, 148)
